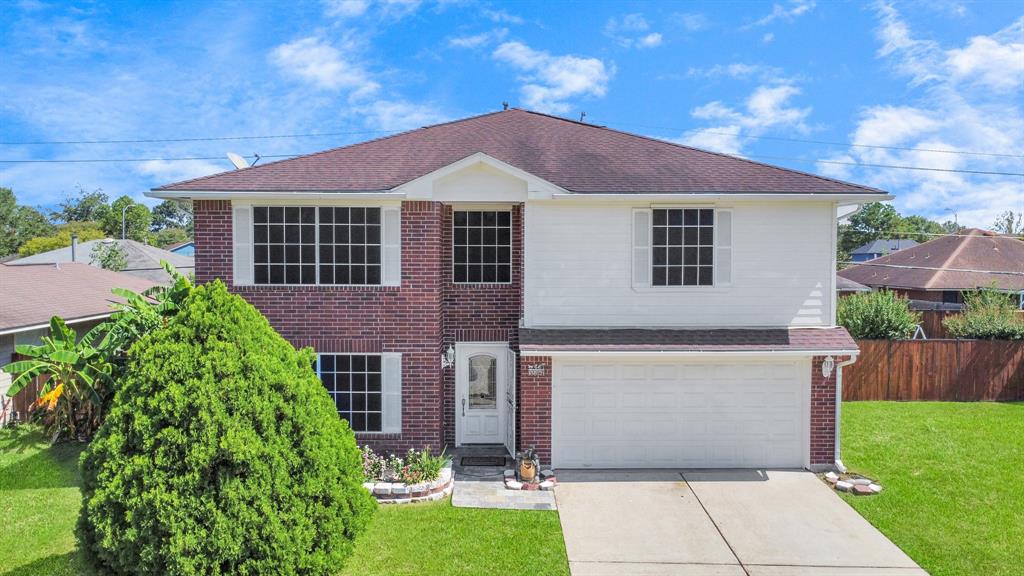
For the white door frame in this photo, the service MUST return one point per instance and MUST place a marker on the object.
(463, 352)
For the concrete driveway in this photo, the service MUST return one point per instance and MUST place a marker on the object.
(717, 523)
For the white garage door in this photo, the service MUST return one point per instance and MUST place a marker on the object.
(680, 414)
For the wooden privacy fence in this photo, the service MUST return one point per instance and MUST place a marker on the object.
(948, 370)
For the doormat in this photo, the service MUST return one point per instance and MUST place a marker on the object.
(483, 461)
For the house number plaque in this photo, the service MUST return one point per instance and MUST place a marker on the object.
(535, 369)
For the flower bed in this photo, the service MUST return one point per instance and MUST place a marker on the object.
(417, 476)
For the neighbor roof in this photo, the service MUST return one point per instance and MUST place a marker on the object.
(688, 340)
(579, 157)
(143, 260)
(847, 285)
(32, 294)
(975, 257)
(884, 246)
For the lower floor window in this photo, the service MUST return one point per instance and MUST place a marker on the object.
(354, 382)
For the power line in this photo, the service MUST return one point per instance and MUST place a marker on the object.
(825, 142)
(892, 166)
(197, 139)
(357, 132)
(901, 266)
(94, 160)
(789, 158)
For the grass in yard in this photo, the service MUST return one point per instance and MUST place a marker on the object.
(40, 498)
(953, 499)
(437, 538)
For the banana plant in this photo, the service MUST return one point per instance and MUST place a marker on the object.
(140, 314)
(75, 375)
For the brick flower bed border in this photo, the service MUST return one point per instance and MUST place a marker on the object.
(401, 493)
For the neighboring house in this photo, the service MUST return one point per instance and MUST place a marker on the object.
(520, 279)
(879, 248)
(186, 248)
(143, 260)
(845, 286)
(32, 294)
(938, 271)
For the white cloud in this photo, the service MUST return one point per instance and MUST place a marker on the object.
(739, 71)
(478, 40)
(551, 80)
(690, 21)
(784, 12)
(995, 61)
(345, 8)
(627, 23)
(501, 16)
(165, 171)
(767, 107)
(967, 98)
(649, 41)
(632, 30)
(392, 9)
(400, 115)
(768, 37)
(321, 64)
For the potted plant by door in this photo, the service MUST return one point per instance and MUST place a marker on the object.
(527, 465)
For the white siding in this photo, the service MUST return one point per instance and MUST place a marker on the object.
(578, 269)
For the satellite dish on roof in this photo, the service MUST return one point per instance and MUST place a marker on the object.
(237, 160)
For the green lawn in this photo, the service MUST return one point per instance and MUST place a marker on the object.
(954, 495)
(39, 501)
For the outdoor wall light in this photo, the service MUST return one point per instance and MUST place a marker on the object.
(448, 358)
(827, 366)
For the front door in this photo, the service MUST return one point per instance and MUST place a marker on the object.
(480, 401)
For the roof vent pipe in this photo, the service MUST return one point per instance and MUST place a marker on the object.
(74, 246)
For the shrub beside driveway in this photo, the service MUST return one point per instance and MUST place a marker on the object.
(953, 498)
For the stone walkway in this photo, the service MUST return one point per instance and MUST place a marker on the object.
(484, 487)
(474, 494)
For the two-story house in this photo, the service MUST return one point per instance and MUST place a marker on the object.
(613, 300)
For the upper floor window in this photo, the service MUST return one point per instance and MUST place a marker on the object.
(482, 246)
(310, 245)
(683, 247)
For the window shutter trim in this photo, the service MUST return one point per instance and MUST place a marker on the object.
(391, 397)
(723, 252)
(241, 232)
(392, 252)
(641, 247)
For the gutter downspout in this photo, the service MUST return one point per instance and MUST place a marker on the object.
(839, 404)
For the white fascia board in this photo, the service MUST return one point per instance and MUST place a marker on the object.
(259, 196)
(839, 199)
(421, 188)
(68, 321)
(526, 351)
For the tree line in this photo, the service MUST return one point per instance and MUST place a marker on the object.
(25, 230)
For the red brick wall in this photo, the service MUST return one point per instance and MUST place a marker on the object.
(406, 319)
(534, 424)
(479, 312)
(823, 413)
(212, 235)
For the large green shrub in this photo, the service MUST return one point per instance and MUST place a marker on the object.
(877, 315)
(221, 454)
(989, 315)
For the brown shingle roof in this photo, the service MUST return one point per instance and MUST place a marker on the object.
(975, 255)
(32, 293)
(689, 340)
(578, 157)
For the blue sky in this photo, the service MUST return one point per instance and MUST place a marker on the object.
(732, 76)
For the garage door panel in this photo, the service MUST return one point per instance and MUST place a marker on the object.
(686, 414)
